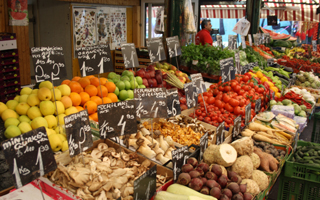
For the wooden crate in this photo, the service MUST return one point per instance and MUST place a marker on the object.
(143, 59)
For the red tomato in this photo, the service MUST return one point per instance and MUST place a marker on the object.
(182, 100)
(251, 84)
(221, 88)
(226, 98)
(207, 119)
(211, 100)
(218, 103)
(219, 97)
(205, 94)
(234, 102)
(200, 118)
(245, 78)
(215, 92)
(220, 119)
(241, 91)
(227, 88)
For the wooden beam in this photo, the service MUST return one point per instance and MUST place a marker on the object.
(4, 23)
(136, 25)
(108, 2)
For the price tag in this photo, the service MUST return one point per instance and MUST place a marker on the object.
(49, 64)
(256, 38)
(232, 42)
(156, 50)
(236, 126)
(238, 67)
(197, 82)
(173, 103)
(219, 41)
(179, 158)
(261, 38)
(29, 156)
(248, 114)
(250, 39)
(174, 47)
(145, 187)
(243, 42)
(220, 135)
(267, 38)
(314, 45)
(203, 145)
(129, 53)
(78, 132)
(151, 103)
(117, 119)
(94, 60)
(227, 70)
(258, 105)
(191, 94)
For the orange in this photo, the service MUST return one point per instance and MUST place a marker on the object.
(75, 86)
(103, 80)
(91, 90)
(104, 91)
(113, 97)
(76, 78)
(91, 106)
(90, 76)
(90, 118)
(75, 98)
(84, 97)
(94, 81)
(94, 117)
(79, 108)
(84, 82)
(66, 82)
(96, 99)
(110, 86)
(106, 100)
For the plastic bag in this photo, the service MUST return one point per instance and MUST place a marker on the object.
(189, 17)
(159, 28)
(242, 27)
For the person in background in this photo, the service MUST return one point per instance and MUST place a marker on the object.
(204, 37)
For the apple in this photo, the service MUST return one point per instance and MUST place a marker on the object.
(34, 91)
(60, 107)
(39, 122)
(24, 118)
(33, 100)
(50, 131)
(17, 98)
(11, 122)
(34, 112)
(44, 94)
(46, 84)
(61, 130)
(12, 131)
(22, 108)
(24, 127)
(25, 90)
(173, 68)
(23, 98)
(47, 108)
(11, 104)
(152, 74)
(8, 113)
(141, 73)
(55, 142)
(179, 73)
(71, 110)
(60, 118)
(150, 68)
(164, 84)
(150, 83)
(145, 82)
(57, 94)
(147, 75)
(65, 146)
(159, 78)
(52, 121)
(65, 90)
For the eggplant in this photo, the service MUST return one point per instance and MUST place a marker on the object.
(288, 69)
(280, 75)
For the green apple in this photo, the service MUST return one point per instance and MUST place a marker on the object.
(11, 104)
(25, 90)
(139, 80)
(33, 100)
(22, 108)
(17, 98)
(8, 113)
(57, 94)
(23, 98)
(47, 108)
(44, 94)
(34, 112)
(52, 121)
(39, 122)
(46, 84)
(25, 127)
(3, 107)
(12, 131)
(65, 146)
(55, 142)
(11, 122)
(64, 89)
(24, 118)
(60, 107)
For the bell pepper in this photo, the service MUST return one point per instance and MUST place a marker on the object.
(266, 85)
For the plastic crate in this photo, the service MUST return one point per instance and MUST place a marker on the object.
(296, 189)
(301, 171)
(316, 128)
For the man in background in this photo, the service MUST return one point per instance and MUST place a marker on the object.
(204, 37)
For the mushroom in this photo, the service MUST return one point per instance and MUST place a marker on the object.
(155, 147)
(144, 149)
(151, 140)
(124, 156)
(140, 136)
(144, 131)
(156, 133)
(168, 154)
(163, 144)
(132, 143)
(102, 196)
(102, 147)
(115, 155)
(169, 140)
(127, 191)
(83, 195)
(96, 184)
(106, 161)
(132, 163)
(163, 159)
(116, 194)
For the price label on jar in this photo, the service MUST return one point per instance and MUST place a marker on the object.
(117, 119)
(258, 105)
(236, 126)
(151, 103)
(94, 60)
(78, 132)
(144, 187)
(29, 156)
(203, 145)
(248, 114)
(220, 134)
(129, 53)
(49, 64)
(179, 158)
(156, 50)
(173, 103)
(174, 47)
(191, 94)
(227, 70)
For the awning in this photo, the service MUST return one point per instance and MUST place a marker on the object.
(223, 11)
(154, 11)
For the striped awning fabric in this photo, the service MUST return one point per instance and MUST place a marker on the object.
(154, 11)
(284, 9)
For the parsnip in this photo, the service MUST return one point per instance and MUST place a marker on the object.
(260, 137)
(258, 127)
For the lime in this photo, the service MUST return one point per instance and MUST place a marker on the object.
(139, 80)
(121, 85)
(116, 91)
(127, 84)
(130, 94)
(111, 75)
(125, 78)
(134, 84)
(123, 95)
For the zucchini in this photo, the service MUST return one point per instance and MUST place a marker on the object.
(280, 75)
(288, 69)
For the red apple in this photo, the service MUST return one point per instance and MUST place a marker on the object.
(145, 82)
(159, 78)
(141, 73)
(147, 75)
(154, 82)
(164, 84)
(150, 81)
(150, 68)
(152, 73)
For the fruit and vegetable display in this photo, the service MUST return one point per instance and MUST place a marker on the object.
(307, 79)
(298, 96)
(308, 154)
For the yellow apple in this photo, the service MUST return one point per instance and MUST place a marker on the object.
(67, 102)
(71, 110)
(62, 137)
(61, 130)
(60, 119)
(34, 91)
(22, 108)
(11, 104)
(34, 112)
(60, 107)
(47, 108)
(11, 121)
(12, 131)
(55, 142)
(65, 90)
(65, 146)
(25, 90)
(57, 94)
(33, 100)
(50, 131)
(46, 84)
(23, 98)
(17, 98)
(3, 107)
(24, 127)
(8, 114)
(39, 122)
(24, 118)
(52, 121)
(44, 94)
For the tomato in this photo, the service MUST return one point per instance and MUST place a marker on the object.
(213, 86)
(241, 91)
(261, 90)
(200, 118)
(215, 92)
(218, 103)
(226, 98)
(202, 109)
(200, 98)
(228, 107)
(251, 84)
(205, 93)
(182, 100)
(222, 105)
(242, 102)
(220, 119)
(221, 88)
(198, 112)
(211, 100)
(207, 119)
(227, 88)
(253, 105)
(205, 98)
(234, 102)
(245, 78)
(245, 87)
(219, 97)
(228, 120)
(215, 123)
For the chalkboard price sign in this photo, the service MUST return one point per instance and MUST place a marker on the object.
(49, 64)
(227, 70)
(314, 45)
(94, 60)
(129, 53)
(220, 135)
(198, 83)
(191, 94)
(258, 105)
(151, 103)
(145, 187)
(78, 132)
(174, 47)
(248, 113)
(238, 67)
(203, 145)
(156, 50)
(232, 42)
(117, 119)
(29, 156)
(236, 126)
(179, 158)
(173, 103)
(243, 42)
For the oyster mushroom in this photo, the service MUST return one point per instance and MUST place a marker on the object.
(115, 155)
(83, 195)
(102, 196)
(106, 161)
(124, 156)
(96, 153)
(96, 184)
(102, 147)
(127, 191)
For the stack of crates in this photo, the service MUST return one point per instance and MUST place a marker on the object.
(143, 58)
(299, 181)
(9, 67)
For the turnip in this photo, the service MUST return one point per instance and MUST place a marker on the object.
(184, 179)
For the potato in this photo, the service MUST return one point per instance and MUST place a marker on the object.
(261, 179)
(243, 167)
(252, 186)
(255, 160)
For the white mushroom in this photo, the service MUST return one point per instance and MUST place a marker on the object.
(103, 147)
